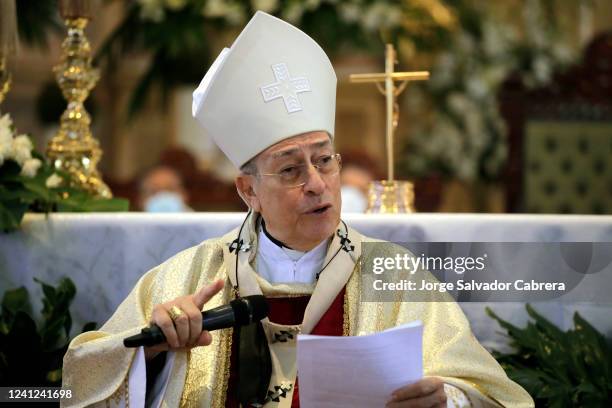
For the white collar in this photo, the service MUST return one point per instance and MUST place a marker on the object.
(278, 264)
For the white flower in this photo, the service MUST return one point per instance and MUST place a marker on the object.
(5, 151)
(30, 167)
(496, 39)
(458, 102)
(312, 4)
(375, 16)
(216, 8)
(495, 74)
(6, 132)
(466, 169)
(465, 43)
(53, 181)
(563, 53)
(152, 10)
(477, 88)
(444, 71)
(175, 4)
(475, 129)
(21, 149)
(349, 12)
(231, 11)
(542, 69)
(23, 141)
(235, 14)
(394, 17)
(293, 13)
(267, 6)
(6, 137)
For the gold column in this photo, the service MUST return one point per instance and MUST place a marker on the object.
(73, 148)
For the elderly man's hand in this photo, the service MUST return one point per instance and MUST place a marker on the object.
(427, 393)
(185, 332)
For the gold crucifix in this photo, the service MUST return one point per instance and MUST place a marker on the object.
(391, 92)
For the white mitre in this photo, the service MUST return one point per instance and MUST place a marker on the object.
(274, 82)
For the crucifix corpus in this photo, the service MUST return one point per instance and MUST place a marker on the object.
(391, 92)
(390, 190)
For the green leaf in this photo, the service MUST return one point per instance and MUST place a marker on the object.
(66, 289)
(37, 187)
(23, 329)
(56, 312)
(11, 214)
(107, 205)
(50, 297)
(546, 326)
(81, 202)
(9, 171)
(32, 355)
(559, 369)
(36, 20)
(16, 300)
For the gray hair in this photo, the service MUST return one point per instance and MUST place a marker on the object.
(249, 167)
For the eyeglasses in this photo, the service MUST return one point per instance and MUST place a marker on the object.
(296, 175)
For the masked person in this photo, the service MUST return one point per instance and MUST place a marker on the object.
(269, 103)
(162, 190)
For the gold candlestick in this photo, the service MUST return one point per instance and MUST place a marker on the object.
(390, 196)
(73, 148)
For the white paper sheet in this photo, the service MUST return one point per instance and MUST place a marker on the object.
(362, 371)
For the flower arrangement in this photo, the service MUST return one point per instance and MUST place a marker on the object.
(28, 183)
(180, 34)
(465, 136)
(18, 149)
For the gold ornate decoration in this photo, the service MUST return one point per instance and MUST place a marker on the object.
(390, 196)
(8, 43)
(73, 148)
(5, 78)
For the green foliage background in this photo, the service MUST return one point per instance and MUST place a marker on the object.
(32, 354)
(558, 369)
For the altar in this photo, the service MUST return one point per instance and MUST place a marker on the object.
(105, 254)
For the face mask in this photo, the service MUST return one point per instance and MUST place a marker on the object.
(165, 201)
(353, 200)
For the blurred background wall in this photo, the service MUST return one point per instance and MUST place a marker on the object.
(516, 116)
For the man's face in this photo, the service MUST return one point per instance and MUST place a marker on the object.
(301, 217)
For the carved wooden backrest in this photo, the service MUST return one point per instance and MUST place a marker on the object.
(560, 138)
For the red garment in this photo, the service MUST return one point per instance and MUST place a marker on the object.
(290, 311)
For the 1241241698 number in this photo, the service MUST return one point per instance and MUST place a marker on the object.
(34, 393)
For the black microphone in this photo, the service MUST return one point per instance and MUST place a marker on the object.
(240, 312)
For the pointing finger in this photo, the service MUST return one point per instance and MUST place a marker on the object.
(206, 293)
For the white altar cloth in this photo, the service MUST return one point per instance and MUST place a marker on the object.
(105, 254)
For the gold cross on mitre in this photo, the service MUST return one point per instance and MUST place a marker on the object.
(391, 92)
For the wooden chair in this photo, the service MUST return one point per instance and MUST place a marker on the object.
(560, 138)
